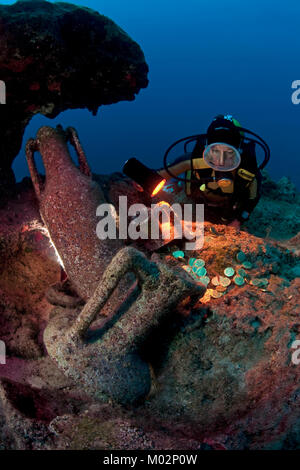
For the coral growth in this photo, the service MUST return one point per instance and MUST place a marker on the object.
(58, 56)
(220, 370)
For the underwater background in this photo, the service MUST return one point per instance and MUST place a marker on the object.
(205, 58)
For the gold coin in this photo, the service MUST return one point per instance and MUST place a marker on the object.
(199, 262)
(210, 291)
(225, 281)
(187, 268)
(215, 281)
(221, 288)
(206, 298)
(216, 295)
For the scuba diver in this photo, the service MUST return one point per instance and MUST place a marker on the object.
(221, 171)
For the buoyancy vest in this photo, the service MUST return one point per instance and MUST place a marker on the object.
(221, 188)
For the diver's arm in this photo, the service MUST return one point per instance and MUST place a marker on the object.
(175, 169)
(180, 165)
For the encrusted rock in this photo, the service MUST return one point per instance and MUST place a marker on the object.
(59, 56)
(221, 372)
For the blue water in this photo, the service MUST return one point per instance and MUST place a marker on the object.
(205, 57)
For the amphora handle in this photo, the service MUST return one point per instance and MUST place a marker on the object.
(32, 147)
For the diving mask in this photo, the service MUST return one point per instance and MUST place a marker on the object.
(221, 156)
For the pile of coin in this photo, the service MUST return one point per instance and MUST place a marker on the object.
(220, 283)
(237, 275)
(196, 269)
(259, 282)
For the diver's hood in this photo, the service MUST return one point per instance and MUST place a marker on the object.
(224, 130)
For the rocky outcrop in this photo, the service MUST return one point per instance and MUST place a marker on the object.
(228, 367)
(277, 215)
(58, 56)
